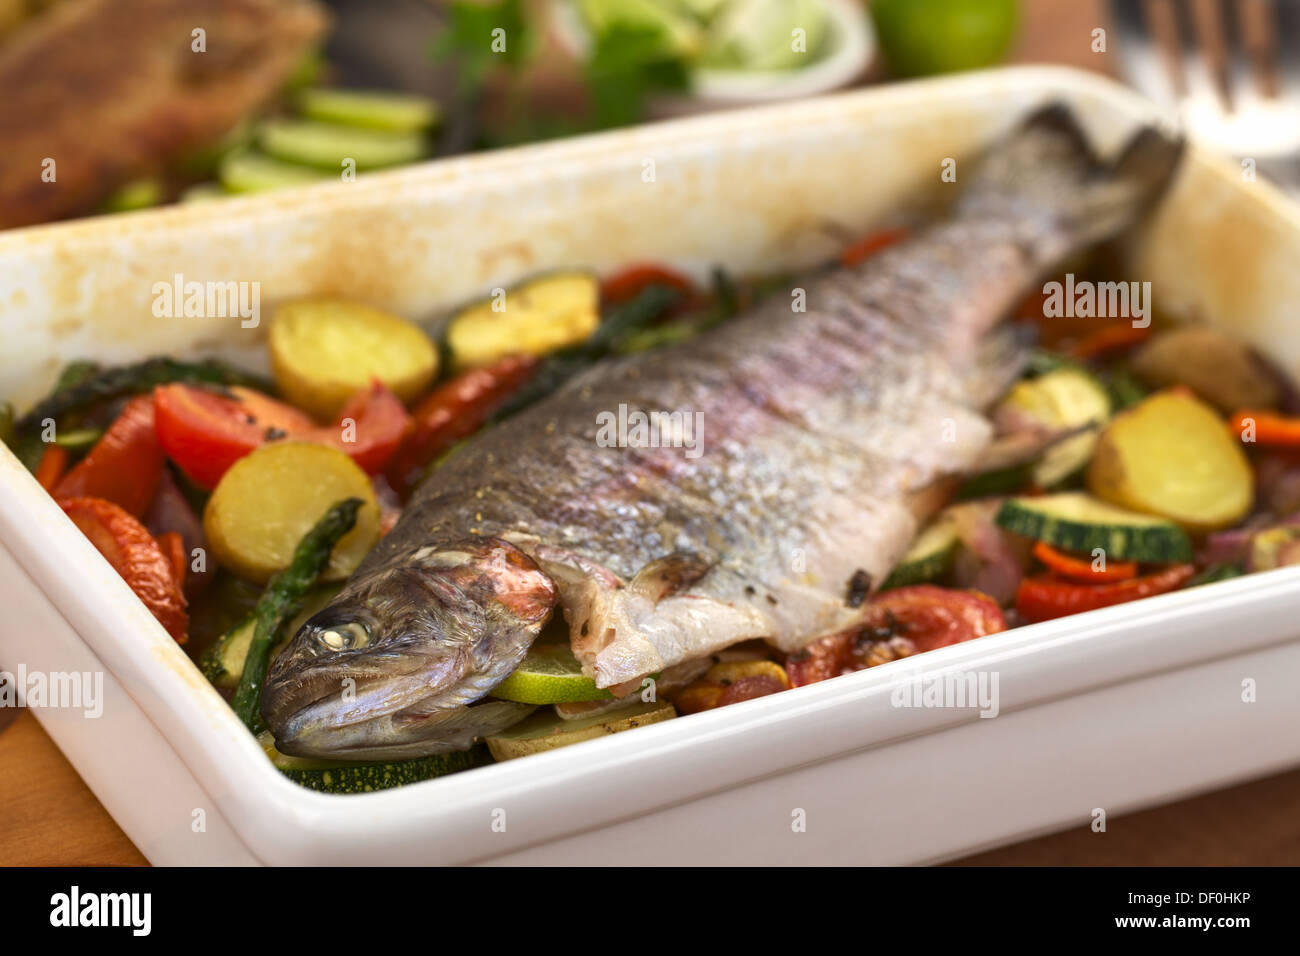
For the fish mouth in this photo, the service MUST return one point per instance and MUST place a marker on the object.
(398, 664)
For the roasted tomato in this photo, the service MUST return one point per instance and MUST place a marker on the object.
(895, 624)
(136, 556)
(124, 466)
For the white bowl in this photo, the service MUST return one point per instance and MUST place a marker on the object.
(853, 46)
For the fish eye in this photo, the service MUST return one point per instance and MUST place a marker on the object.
(344, 637)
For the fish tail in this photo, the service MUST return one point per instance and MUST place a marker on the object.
(1048, 173)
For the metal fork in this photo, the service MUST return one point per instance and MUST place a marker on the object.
(1231, 69)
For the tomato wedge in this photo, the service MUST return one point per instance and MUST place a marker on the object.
(1081, 569)
(926, 616)
(125, 465)
(1045, 598)
(135, 555)
(371, 426)
(205, 432)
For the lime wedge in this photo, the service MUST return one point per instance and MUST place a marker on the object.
(549, 674)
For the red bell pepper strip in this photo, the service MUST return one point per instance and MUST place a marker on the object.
(626, 284)
(1081, 569)
(53, 463)
(1270, 428)
(868, 246)
(452, 411)
(124, 466)
(1045, 598)
(1108, 340)
(173, 547)
(135, 555)
(928, 616)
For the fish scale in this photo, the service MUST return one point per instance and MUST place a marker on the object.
(823, 432)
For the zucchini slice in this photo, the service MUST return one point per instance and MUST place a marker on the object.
(540, 316)
(929, 558)
(545, 730)
(1076, 521)
(339, 776)
(369, 109)
(326, 145)
(1068, 397)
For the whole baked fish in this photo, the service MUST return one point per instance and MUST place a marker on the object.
(788, 461)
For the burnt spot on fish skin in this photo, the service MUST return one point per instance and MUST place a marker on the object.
(749, 590)
(772, 600)
(859, 588)
(585, 629)
(274, 434)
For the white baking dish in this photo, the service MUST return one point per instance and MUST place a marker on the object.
(1115, 709)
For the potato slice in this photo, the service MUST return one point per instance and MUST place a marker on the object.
(269, 499)
(1217, 367)
(540, 316)
(546, 731)
(1172, 456)
(323, 351)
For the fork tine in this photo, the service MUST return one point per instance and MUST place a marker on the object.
(1210, 42)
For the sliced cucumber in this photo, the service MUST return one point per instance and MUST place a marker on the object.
(545, 730)
(369, 109)
(929, 558)
(339, 776)
(248, 171)
(1076, 521)
(1066, 397)
(327, 145)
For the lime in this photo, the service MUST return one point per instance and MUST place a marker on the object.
(938, 36)
(549, 674)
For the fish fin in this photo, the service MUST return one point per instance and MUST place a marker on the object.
(1048, 166)
(666, 576)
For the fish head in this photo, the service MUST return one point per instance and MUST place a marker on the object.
(391, 667)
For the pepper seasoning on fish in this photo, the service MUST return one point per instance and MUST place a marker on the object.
(828, 436)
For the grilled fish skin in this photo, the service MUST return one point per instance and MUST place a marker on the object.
(825, 434)
(111, 89)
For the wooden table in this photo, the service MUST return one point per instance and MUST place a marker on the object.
(48, 816)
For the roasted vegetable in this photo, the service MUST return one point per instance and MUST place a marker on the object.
(1172, 456)
(1045, 598)
(223, 662)
(897, 624)
(1081, 568)
(731, 682)
(282, 600)
(131, 380)
(545, 731)
(1078, 522)
(630, 281)
(135, 555)
(125, 465)
(1219, 368)
(929, 558)
(324, 351)
(1265, 428)
(269, 499)
(369, 109)
(540, 316)
(336, 776)
(1063, 398)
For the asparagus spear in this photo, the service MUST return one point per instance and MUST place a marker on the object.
(121, 380)
(281, 600)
